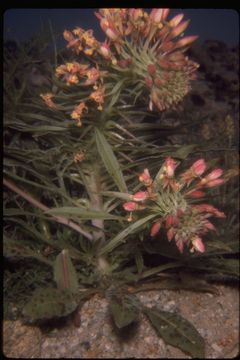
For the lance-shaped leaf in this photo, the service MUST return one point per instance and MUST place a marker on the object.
(49, 303)
(176, 331)
(64, 272)
(110, 161)
(136, 226)
(68, 211)
(123, 311)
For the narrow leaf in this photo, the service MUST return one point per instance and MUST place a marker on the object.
(64, 272)
(110, 161)
(176, 331)
(82, 213)
(122, 235)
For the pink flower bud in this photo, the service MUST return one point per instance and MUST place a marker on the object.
(145, 177)
(216, 182)
(199, 167)
(130, 206)
(112, 34)
(180, 245)
(105, 50)
(198, 244)
(187, 40)
(155, 228)
(215, 174)
(209, 226)
(170, 234)
(156, 15)
(179, 29)
(170, 165)
(140, 196)
(176, 20)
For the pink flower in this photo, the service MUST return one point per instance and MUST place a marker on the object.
(145, 178)
(195, 170)
(158, 15)
(180, 244)
(170, 234)
(130, 206)
(198, 244)
(176, 20)
(199, 167)
(215, 174)
(170, 166)
(105, 51)
(155, 228)
(209, 226)
(212, 179)
(140, 196)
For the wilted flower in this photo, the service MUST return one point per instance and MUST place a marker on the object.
(77, 113)
(48, 100)
(145, 178)
(98, 96)
(79, 157)
(72, 72)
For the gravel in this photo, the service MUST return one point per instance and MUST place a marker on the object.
(216, 317)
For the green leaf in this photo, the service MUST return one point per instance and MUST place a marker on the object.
(116, 194)
(49, 303)
(183, 151)
(110, 161)
(122, 235)
(176, 331)
(64, 272)
(123, 312)
(82, 213)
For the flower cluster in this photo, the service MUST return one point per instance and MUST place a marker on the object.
(155, 52)
(170, 199)
(145, 43)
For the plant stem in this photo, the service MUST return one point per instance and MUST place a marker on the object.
(44, 208)
(93, 186)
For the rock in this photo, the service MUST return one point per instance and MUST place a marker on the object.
(96, 338)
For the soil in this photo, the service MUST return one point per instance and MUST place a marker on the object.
(216, 317)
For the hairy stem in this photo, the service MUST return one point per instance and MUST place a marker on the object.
(92, 181)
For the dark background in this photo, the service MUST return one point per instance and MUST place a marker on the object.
(209, 24)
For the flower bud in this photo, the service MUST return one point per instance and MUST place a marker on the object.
(155, 229)
(198, 244)
(140, 196)
(130, 206)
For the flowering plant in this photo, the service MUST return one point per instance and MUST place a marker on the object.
(87, 144)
